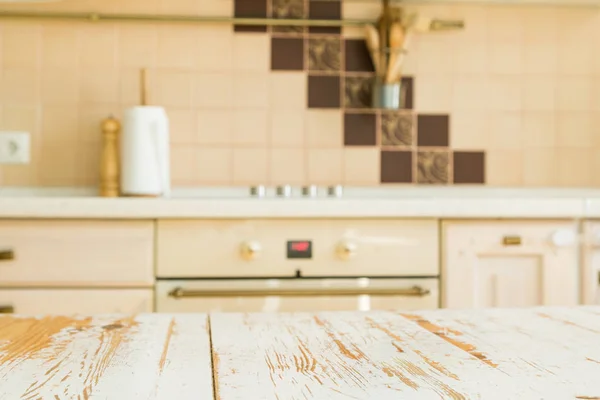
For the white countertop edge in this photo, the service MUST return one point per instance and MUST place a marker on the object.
(124, 208)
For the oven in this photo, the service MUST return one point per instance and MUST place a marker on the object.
(297, 265)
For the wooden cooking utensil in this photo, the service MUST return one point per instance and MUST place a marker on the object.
(396, 46)
(372, 40)
(384, 25)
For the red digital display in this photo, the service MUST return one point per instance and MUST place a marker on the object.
(300, 246)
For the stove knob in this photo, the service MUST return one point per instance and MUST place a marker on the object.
(250, 250)
(346, 250)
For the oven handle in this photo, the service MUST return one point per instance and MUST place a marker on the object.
(415, 291)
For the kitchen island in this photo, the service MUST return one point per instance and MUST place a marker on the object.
(539, 353)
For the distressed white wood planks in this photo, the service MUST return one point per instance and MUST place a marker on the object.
(109, 357)
(492, 354)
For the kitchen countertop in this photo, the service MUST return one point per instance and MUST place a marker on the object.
(357, 202)
(442, 354)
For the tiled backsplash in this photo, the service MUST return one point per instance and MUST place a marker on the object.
(512, 100)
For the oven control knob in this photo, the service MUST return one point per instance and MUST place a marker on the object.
(346, 250)
(250, 250)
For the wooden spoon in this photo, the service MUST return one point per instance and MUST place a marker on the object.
(372, 40)
(396, 46)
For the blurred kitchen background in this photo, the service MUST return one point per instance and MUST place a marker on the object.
(510, 100)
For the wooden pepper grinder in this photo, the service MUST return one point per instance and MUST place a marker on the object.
(109, 166)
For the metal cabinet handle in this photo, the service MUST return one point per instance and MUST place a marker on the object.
(7, 309)
(7, 254)
(511, 240)
(415, 291)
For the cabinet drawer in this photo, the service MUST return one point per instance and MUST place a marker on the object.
(76, 301)
(69, 253)
(215, 248)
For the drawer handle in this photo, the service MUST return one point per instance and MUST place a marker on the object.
(7, 309)
(7, 255)
(415, 291)
(511, 240)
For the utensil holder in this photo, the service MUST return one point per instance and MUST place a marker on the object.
(390, 96)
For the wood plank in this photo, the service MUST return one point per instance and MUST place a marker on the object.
(541, 348)
(148, 356)
(375, 355)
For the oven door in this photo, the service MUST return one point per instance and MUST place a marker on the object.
(296, 295)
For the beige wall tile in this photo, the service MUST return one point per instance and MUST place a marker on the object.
(130, 86)
(22, 118)
(361, 166)
(574, 129)
(250, 166)
(88, 164)
(213, 90)
(434, 58)
(252, 53)
(138, 6)
(595, 167)
(58, 164)
(60, 46)
(59, 124)
(324, 128)
(541, 58)
(573, 94)
(502, 17)
(287, 166)
(183, 125)
(574, 167)
(20, 86)
(504, 168)
(539, 93)
(22, 175)
(539, 167)
(287, 128)
(467, 92)
(183, 162)
(504, 93)
(215, 49)
(176, 45)
(506, 130)
(250, 127)
(223, 8)
(469, 130)
(215, 127)
(288, 90)
(21, 46)
(99, 46)
(505, 56)
(138, 45)
(90, 121)
(539, 129)
(250, 90)
(183, 7)
(60, 85)
(215, 165)
(325, 166)
(434, 94)
(100, 85)
(173, 88)
(574, 46)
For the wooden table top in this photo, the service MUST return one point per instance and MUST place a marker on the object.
(541, 353)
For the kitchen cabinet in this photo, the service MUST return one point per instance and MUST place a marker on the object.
(590, 277)
(76, 301)
(76, 252)
(509, 263)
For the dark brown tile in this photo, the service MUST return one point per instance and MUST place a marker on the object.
(250, 9)
(397, 129)
(432, 167)
(287, 54)
(324, 91)
(324, 54)
(408, 90)
(324, 9)
(288, 9)
(360, 129)
(357, 91)
(469, 167)
(433, 130)
(396, 167)
(357, 57)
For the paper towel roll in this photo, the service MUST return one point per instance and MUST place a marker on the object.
(145, 164)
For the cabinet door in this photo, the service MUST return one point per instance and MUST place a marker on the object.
(76, 301)
(590, 279)
(509, 264)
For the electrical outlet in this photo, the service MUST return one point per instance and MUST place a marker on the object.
(14, 147)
